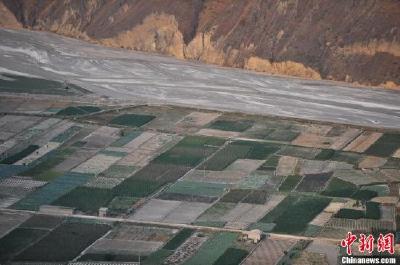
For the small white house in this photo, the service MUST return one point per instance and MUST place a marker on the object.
(254, 235)
(103, 211)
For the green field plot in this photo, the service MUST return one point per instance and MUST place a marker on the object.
(245, 196)
(85, 199)
(235, 195)
(290, 183)
(385, 146)
(157, 257)
(111, 257)
(212, 249)
(271, 163)
(43, 169)
(21, 154)
(63, 243)
(118, 171)
(225, 157)
(132, 120)
(42, 222)
(185, 197)
(282, 135)
(232, 256)
(240, 150)
(11, 170)
(163, 173)
(215, 212)
(257, 197)
(121, 204)
(364, 195)
(197, 188)
(190, 151)
(294, 213)
(24, 84)
(380, 190)
(392, 163)
(113, 153)
(258, 150)
(52, 191)
(313, 182)
(78, 110)
(67, 134)
(348, 157)
(178, 239)
(231, 125)
(17, 240)
(372, 211)
(325, 154)
(126, 138)
(136, 188)
(299, 151)
(339, 188)
(350, 214)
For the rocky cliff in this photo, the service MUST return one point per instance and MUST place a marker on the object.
(348, 40)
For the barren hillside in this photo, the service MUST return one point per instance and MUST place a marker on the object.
(348, 40)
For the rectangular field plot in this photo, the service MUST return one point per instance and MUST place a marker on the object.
(314, 182)
(232, 256)
(19, 155)
(212, 249)
(44, 168)
(214, 214)
(17, 240)
(101, 137)
(45, 222)
(52, 191)
(126, 138)
(162, 173)
(195, 120)
(356, 177)
(15, 188)
(170, 211)
(190, 151)
(385, 145)
(131, 232)
(231, 125)
(78, 110)
(240, 150)
(71, 161)
(294, 213)
(136, 187)
(197, 188)
(363, 142)
(96, 164)
(255, 180)
(286, 166)
(269, 252)
(63, 243)
(186, 250)
(10, 220)
(299, 151)
(244, 214)
(85, 199)
(124, 247)
(290, 183)
(43, 150)
(132, 120)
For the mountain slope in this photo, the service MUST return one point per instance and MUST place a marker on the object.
(348, 40)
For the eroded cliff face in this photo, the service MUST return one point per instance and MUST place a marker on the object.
(356, 41)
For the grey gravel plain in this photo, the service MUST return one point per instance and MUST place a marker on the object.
(146, 78)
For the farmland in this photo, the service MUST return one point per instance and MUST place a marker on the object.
(178, 167)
